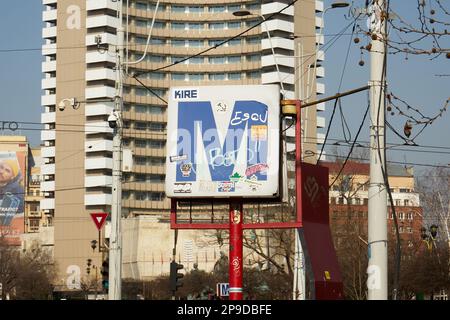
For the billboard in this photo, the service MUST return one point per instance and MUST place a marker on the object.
(12, 194)
(223, 141)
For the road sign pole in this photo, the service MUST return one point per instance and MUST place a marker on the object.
(235, 268)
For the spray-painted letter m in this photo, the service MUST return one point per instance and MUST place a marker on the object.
(196, 121)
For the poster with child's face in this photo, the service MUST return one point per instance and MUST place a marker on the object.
(12, 194)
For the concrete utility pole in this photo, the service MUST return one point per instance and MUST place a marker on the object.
(377, 243)
(115, 247)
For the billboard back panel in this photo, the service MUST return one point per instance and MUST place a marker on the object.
(223, 142)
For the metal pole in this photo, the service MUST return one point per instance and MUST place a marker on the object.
(115, 251)
(377, 283)
(236, 267)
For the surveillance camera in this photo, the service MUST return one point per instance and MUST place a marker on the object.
(112, 120)
(61, 105)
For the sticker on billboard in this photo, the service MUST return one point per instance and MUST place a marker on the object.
(224, 134)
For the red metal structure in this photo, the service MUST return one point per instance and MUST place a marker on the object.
(311, 219)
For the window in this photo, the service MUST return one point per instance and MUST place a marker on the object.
(217, 60)
(357, 201)
(178, 25)
(140, 196)
(341, 200)
(125, 195)
(139, 177)
(156, 126)
(141, 161)
(156, 75)
(140, 40)
(254, 75)
(254, 40)
(156, 144)
(406, 202)
(234, 24)
(156, 161)
(234, 59)
(251, 23)
(155, 110)
(217, 25)
(409, 229)
(215, 9)
(140, 91)
(214, 42)
(155, 58)
(196, 60)
(156, 196)
(179, 9)
(366, 201)
(217, 76)
(139, 143)
(178, 43)
(195, 26)
(158, 41)
(140, 5)
(158, 25)
(333, 200)
(195, 43)
(253, 6)
(253, 57)
(196, 76)
(234, 42)
(140, 23)
(178, 76)
(140, 126)
(234, 7)
(401, 216)
(157, 178)
(401, 229)
(195, 9)
(397, 203)
(410, 215)
(234, 76)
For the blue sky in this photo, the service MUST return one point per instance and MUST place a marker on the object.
(413, 80)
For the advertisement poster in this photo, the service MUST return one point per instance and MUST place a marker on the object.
(12, 195)
(223, 142)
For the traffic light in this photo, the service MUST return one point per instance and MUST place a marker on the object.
(175, 277)
(89, 263)
(105, 274)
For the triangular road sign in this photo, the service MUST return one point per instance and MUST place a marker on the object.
(99, 219)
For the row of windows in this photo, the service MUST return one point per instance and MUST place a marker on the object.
(402, 215)
(141, 23)
(145, 143)
(364, 201)
(143, 196)
(145, 126)
(149, 178)
(145, 109)
(149, 161)
(215, 76)
(142, 5)
(194, 60)
(196, 43)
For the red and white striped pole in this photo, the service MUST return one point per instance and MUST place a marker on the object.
(236, 268)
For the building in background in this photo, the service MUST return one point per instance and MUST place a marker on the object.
(79, 60)
(349, 200)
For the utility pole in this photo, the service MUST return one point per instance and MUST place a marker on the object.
(377, 222)
(115, 248)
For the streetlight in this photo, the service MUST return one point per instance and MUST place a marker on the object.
(244, 13)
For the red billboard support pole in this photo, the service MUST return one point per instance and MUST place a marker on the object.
(236, 248)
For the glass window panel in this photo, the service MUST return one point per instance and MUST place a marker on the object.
(178, 25)
(215, 9)
(178, 43)
(217, 60)
(234, 59)
(217, 25)
(234, 76)
(234, 25)
(234, 42)
(195, 43)
(196, 76)
(217, 76)
(178, 8)
(178, 76)
(195, 9)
